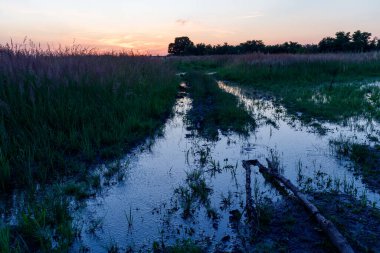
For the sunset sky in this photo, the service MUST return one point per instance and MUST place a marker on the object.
(149, 26)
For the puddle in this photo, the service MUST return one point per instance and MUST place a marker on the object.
(374, 84)
(182, 187)
(149, 204)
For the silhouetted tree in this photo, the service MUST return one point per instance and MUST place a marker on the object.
(360, 41)
(285, 48)
(310, 49)
(373, 44)
(201, 49)
(181, 46)
(252, 46)
(327, 44)
(292, 47)
(342, 42)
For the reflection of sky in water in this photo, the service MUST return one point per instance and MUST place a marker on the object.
(374, 84)
(152, 176)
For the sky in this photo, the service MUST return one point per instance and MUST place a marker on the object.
(148, 26)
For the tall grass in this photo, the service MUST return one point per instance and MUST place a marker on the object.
(62, 110)
(4, 239)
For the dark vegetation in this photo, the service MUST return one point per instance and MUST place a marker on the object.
(289, 228)
(316, 88)
(45, 225)
(214, 110)
(184, 246)
(357, 219)
(359, 222)
(321, 90)
(342, 42)
(61, 112)
(324, 87)
(365, 157)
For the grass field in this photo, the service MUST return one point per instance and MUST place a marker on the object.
(63, 111)
(59, 113)
(324, 87)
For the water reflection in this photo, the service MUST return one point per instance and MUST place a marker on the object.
(187, 187)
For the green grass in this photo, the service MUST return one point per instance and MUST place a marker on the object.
(185, 246)
(60, 114)
(324, 87)
(181, 246)
(323, 90)
(365, 157)
(4, 239)
(213, 109)
(44, 224)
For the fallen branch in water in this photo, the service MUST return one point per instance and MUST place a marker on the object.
(337, 239)
(249, 204)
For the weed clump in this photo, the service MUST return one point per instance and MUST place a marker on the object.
(365, 157)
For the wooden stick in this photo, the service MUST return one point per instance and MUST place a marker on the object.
(337, 239)
(249, 203)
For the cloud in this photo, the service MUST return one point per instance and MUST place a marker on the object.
(251, 15)
(181, 21)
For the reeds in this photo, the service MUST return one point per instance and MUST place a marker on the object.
(63, 109)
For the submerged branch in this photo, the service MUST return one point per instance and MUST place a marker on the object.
(337, 239)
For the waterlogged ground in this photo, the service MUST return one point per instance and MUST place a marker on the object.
(182, 187)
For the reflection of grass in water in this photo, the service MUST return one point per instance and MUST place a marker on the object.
(200, 154)
(226, 201)
(181, 246)
(95, 224)
(213, 109)
(112, 247)
(321, 182)
(194, 190)
(129, 217)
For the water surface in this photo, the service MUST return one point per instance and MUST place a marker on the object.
(147, 205)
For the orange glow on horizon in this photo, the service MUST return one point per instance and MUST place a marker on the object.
(149, 26)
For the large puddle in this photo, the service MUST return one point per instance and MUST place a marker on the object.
(183, 187)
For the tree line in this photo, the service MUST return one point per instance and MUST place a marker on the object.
(342, 42)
